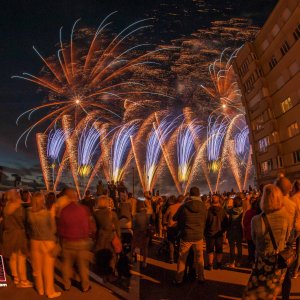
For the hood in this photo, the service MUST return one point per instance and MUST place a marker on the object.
(10, 208)
(194, 204)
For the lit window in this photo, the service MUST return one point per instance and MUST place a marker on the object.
(257, 123)
(275, 137)
(266, 166)
(284, 48)
(263, 144)
(293, 129)
(286, 104)
(296, 156)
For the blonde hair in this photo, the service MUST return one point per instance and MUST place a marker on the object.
(37, 202)
(12, 196)
(103, 201)
(271, 199)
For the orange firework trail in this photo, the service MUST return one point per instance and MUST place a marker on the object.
(82, 79)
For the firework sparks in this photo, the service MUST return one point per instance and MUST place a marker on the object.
(120, 148)
(80, 80)
(88, 144)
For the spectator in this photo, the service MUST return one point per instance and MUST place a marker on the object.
(191, 218)
(140, 231)
(171, 226)
(42, 244)
(250, 213)
(125, 208)
(100, 188)
(50, 200)
(235, 231)
(109, 200)
(285, 186)
(216, 225)
(74, 229)
(266, 280)
(14, 238)
(107, 226)
(88, 201)
(296, 198)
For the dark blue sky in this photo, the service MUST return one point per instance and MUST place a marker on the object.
(25, 23)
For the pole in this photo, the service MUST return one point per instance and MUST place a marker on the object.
(132, 181)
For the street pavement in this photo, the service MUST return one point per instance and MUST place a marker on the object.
(154, 283)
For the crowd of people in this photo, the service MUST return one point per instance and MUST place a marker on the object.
(105, 230)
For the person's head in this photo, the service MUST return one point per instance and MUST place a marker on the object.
(102, 202)
(72, 195)
(50, 200)
(237, 201)
(271, 199)
(172, 200)
(129, 195)
(215, 200)
(87, 193)
(284, 185)
(37, 202)
(26, 196)
(194, 191)
(296, 186)
(157, 193)
(180, 199)
(12, 196)
(140, 206)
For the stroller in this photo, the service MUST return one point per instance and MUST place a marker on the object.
(123, 265)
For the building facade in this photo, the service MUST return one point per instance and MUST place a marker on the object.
(269, 79)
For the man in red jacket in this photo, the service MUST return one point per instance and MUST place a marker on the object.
(73, 229)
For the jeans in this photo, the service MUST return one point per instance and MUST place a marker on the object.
(17, 264)
(238, 244)
(43, 266)
(198, 259)
(76, 253)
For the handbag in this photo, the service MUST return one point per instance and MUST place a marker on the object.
(287, 256)
(116, 242)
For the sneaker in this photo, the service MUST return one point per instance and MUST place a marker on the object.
(25, 284)
(54, 295)
(208, 267)
(295, 275)
(231, 265)
(16, 281)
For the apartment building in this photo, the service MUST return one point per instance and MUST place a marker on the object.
(269, 78)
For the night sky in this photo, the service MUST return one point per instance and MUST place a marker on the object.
(27, 23)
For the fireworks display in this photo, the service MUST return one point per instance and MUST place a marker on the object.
(109, 106)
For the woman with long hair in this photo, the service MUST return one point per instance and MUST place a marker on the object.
(266, 279)
(14, 238)
(42, 231)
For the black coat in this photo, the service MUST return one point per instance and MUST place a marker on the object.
(216, 222)
(191, 218)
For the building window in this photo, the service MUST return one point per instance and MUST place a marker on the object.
(284, 48)
(273, 62)
(293, 129)
(257, 123)
(263, 144)
(279, 162)
(296, 156)
(275, 137)
(286, 104)
(266, 166)
(296, 33)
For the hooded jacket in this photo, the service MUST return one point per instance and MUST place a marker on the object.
(191, 218)
(216, 222)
